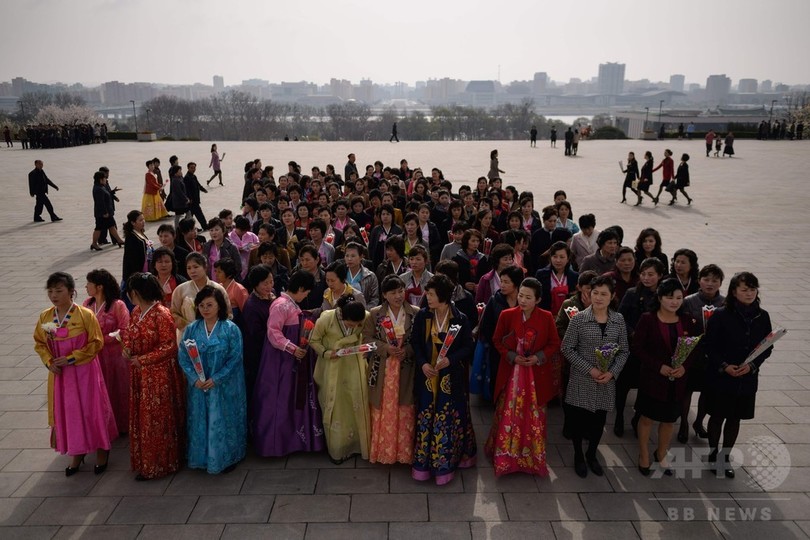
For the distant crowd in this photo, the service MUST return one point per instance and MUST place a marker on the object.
(55, 135)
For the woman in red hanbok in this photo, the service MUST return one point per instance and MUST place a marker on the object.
(157, 411)
(67, 338)
(527, 340)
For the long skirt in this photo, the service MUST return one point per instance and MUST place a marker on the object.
(517, 439)
(153, 208)
(115, 369)
(286, 417)
(392, 425)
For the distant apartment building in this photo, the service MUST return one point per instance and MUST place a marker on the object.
(676, 82)
(219, 83)
(717, 89)
(611, 78)
(747, 86)
(540, 83)
(766, 86)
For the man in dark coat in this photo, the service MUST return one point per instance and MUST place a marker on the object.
(38, 183)
(193, 189)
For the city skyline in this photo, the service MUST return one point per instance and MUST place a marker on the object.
(132, 41)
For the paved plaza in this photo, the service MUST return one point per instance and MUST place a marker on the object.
(750, 212)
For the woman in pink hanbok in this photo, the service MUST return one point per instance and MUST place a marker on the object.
(113, 316)
(68, 338)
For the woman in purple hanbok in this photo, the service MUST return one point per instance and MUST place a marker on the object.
(286, 417)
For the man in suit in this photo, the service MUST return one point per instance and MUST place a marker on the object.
(38, 183)
(350, 168)
(193, 189)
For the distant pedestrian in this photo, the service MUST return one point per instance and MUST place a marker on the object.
(554, 137)
(728, 150)
(681, 180)
(494, 170)
(216, 164)
(575, 142)
(394, 133)
(38, 183)
(569, 140)
(718, 144)
(680, 131)
(690, 130)
(193, 189)
(709, 141)
(7, 137)
(631, 176)
(533, 137)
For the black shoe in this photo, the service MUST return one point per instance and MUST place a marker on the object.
(208, 182)
(655, 200)
(699, 430)
(712, 458)
(683, 434)
(667, 470)
(56, 218)
(581, 469)
(594, 466)
(672, 202)
(103, 242)
(99, 469)
(70, 471)
(618, 427)
(729, 472)
(645, 471)
(38, 219)
(94, 247)
(624, 201)
(688, 201)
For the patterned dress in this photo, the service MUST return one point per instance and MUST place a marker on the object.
(517, 440)
(390, 381)
(157, 409)
(217, 417)
(113, 364)
(151, 204)
(79, 411)
(445, 439)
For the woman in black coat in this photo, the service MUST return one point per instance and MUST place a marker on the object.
(103, 211)
(732, 333)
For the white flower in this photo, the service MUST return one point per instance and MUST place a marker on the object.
(116, 335)
(49, 327)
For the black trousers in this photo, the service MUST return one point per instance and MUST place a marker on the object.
(43, 200)
(196, 211)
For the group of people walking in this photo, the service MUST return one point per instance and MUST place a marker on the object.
(335, 314)
(640, 181)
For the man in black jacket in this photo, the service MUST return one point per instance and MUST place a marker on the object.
(38, 183)
(193, 189)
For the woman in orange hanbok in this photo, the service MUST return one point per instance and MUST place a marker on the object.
(151, 204)
(390, 377)
(527, 340)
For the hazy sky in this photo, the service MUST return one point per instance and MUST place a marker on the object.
(187, 41)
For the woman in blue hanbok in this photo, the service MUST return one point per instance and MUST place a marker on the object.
(217, 408)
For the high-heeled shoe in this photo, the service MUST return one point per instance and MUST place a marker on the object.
(667, 470)
(70, 471)
(683, 434)
(655, 201)
(119, 244)
(638, 203)
(99, 469)
(624, 201)
(700, 431)
(645, 471)
(95, 247)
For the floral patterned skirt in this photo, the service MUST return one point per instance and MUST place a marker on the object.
(392, 425)
(517, 440)
(153, 208)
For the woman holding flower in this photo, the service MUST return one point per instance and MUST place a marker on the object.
(342, 381)
(157, 413)
(443, 347)
(67, 339)
(591, 388)
(391, 371)
(210, 355)
(284, 409)
(665, 357)
(527, 340)
(113, 316)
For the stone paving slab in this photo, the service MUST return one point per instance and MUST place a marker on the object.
(731, 223)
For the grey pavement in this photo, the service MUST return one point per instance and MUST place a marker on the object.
(750, 213)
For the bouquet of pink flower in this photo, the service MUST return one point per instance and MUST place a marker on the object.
(571, 311)
(357, 349)
(390, 333)
(487, 246)
(196, 361)
(708, 311)
(480, 306)
(452, 332)
(685, 346)
(605, 355)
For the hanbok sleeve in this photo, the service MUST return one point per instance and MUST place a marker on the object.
(279, 311)
(316, 339)
(95, 339)
(233, 354)
(178, 298)
(183, 358)
(41, 339)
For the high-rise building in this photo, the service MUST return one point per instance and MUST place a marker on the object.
(766, 86)
(219, 83)
(611, 78)
(747, 86)
(540, 83)
(717, 89)
(676, 83)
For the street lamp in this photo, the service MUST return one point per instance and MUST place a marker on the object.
(646, 117)
(135, 116)
(147, 118)
(770, 115)
(177, 131)
(660, 107)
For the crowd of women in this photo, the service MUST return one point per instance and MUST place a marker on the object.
(358, 315)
